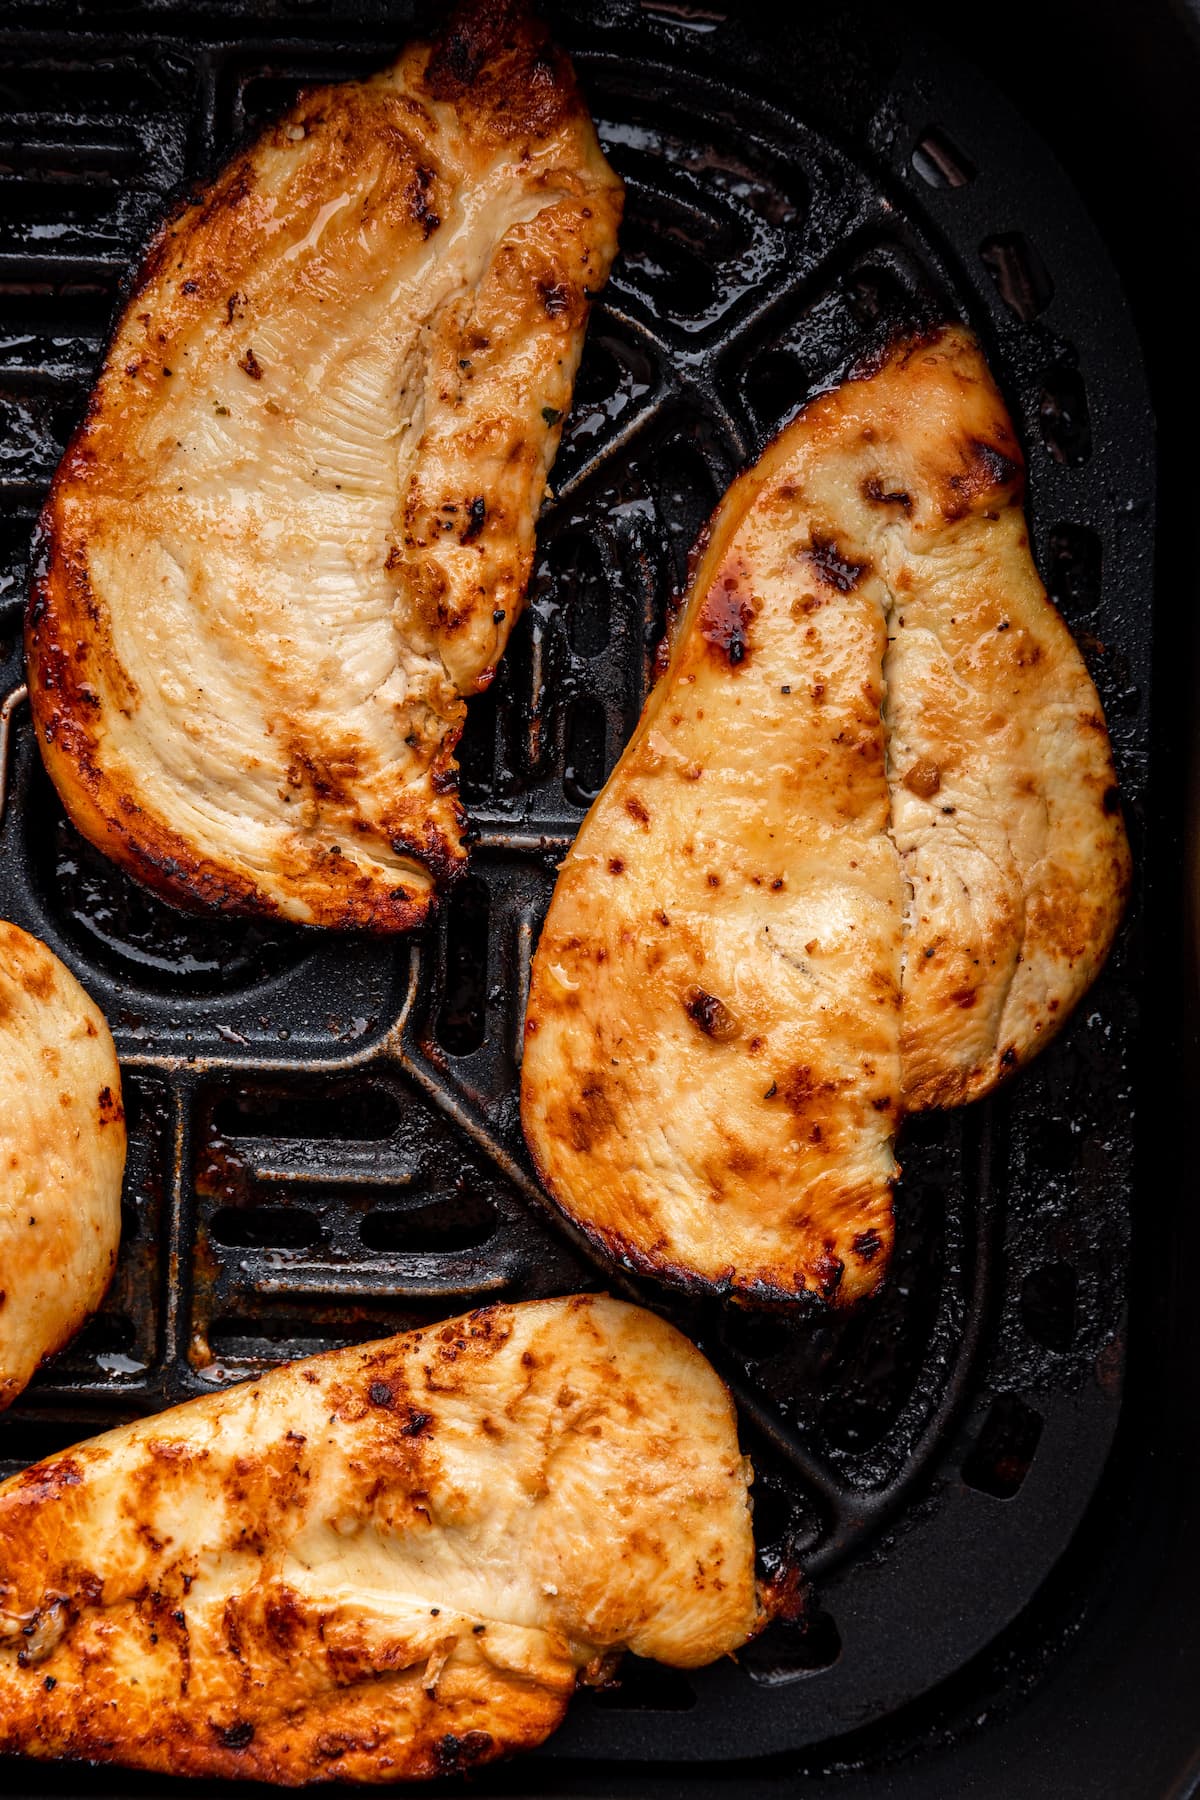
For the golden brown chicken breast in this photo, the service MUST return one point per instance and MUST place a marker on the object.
(862, 854)
(62, 1157)
(1005, 807)
(391, 1561)
(294, 532)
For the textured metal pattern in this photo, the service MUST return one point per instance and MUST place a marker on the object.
(324, 1136)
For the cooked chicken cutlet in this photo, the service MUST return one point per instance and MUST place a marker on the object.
(862, 854)
(391, 1561)
(294, 532)
(62, 1157)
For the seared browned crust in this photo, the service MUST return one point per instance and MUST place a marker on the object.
(387, 1562)
(862, 853)
(62, 1157)
(294, 531)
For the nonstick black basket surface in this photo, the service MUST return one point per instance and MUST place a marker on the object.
(324, 1137)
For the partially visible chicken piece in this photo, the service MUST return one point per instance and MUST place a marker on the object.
(62, 1157)
(385, 1562)
(862, 854)
(294, 533)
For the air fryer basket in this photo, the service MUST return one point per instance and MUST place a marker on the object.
(324, 1135)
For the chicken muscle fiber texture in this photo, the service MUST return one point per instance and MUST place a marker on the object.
(388, 1561)
(861, 856)
(62, 1157)
(294, 532)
